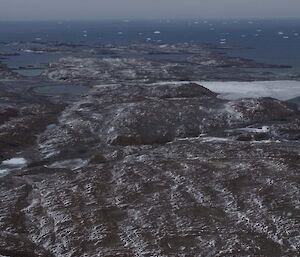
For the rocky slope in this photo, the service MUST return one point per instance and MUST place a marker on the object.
(132, 169)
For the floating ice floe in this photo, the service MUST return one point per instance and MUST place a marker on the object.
(296, 34)
(120, 33)
(286, 37)
(148, 38)
(156, 32)
(33, 51)
(280, 33)
(259, 30)
(243, 35)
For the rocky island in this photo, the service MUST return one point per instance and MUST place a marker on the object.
(103, 154)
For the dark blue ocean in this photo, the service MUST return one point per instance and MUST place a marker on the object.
(270, 41)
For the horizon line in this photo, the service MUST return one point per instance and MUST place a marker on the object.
(150, 19)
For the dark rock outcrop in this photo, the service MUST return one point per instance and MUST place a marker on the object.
(156, 170)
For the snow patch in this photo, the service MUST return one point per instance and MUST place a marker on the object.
(15, 162)
(12, 164)
(72, 164)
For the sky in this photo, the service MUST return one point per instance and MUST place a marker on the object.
(148, 9)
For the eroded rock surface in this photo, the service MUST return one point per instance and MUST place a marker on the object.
(159, 169)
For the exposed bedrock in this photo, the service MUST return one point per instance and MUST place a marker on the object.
(154, 114)
(158, 170)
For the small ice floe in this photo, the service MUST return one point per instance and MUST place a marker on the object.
(156, 32)
(256, 35)
(148, 39)
(120, 33)
(72, 164)
(296, 34)
(38, 39)
(280, 33)
(243, 36)
(12, 164)
(250, 22)
(212, 29)
(29, 51)
(84, 35)
(285, 37)
(196, 22)
(259, 30)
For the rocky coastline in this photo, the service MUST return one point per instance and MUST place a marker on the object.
(140, 166)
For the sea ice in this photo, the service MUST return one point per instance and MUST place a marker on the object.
(156, 32)
(232, 90)
(282, 90)
(280, 33)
